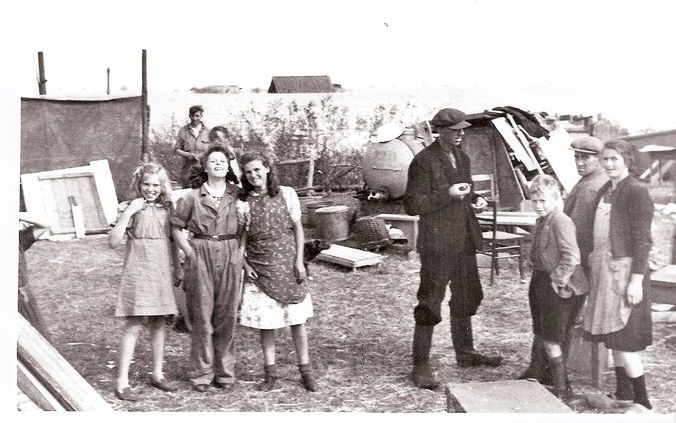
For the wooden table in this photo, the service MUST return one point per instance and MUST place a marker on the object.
(523, 220)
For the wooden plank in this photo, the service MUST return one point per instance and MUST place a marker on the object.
(524, 141)
(560, 157)
(349, 257)
(23, 403)
(513, 142)
(65, 175)
(54, 372)
(105, 186)
(78, 220)
(582, 359)
(34, 390)
(507, 396)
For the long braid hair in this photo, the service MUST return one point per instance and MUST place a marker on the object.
(273, 180)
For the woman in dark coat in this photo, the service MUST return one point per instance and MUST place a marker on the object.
(618, 307)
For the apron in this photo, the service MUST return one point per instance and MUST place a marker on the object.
(271, 249)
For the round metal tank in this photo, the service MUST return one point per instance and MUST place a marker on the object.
(385, 164)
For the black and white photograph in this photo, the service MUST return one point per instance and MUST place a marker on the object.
(306, 208)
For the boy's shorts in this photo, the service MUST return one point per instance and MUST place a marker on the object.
(552, 315)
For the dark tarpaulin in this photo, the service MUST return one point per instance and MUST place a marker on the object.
(63, 133)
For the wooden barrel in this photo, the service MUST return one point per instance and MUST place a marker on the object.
(333, 223)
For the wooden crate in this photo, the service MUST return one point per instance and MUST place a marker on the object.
(74, 199)
(349, 257)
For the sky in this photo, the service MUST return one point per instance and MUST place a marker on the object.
(358, 43)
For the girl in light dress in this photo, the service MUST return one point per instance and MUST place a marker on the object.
(145, 293)
(275, 289)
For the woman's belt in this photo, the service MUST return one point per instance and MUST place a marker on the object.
(220, 237)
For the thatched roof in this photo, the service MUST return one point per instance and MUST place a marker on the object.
(301, 84)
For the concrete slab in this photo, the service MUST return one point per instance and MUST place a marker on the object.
(507, 396)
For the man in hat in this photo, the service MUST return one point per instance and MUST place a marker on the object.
(580, 201)
(579, 206)
(439, 190)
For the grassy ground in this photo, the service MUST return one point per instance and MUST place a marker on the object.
(360, 339)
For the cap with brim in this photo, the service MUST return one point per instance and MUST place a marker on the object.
(587, 145)
(450, 118)
(389, 131)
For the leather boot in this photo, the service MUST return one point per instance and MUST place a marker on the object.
(640, 392)
(422, 374)
(463, 343)
(623, 388)
(270, 381)
(309, 381)
(560, 386)
(538, 368)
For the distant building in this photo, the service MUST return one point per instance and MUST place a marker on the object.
(651, 154)
(301, 84)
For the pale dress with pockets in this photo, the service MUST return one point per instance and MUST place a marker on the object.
(146, 285)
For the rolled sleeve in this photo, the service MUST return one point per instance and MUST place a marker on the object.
(183, 211)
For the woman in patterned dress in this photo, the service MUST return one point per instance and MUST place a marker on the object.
(275, 289)
(146, 286)
(618, 305)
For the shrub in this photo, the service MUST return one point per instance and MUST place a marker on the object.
(289, 132)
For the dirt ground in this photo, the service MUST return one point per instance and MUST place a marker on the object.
(360, 339)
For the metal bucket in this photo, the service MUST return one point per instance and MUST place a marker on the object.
(312, 208)
(333, 223)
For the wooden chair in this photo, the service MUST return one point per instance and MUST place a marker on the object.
(495, 241)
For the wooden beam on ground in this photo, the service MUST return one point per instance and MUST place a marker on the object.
(34, 390)
(506, 396)
(53, 372)
(349, 257)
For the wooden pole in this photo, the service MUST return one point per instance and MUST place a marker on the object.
(144, 109)
(42, 82)
(108, 81)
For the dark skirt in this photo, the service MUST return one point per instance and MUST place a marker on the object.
(638, 333)
(552, 315)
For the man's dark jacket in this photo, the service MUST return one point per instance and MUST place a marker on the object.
(444, 221)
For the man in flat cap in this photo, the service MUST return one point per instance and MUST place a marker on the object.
(579, 206)
(439, 191)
